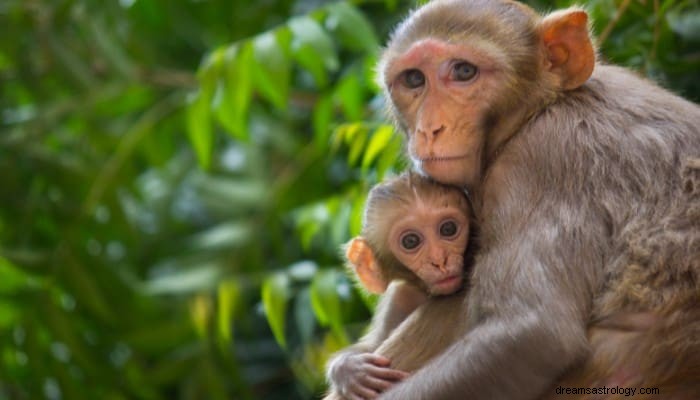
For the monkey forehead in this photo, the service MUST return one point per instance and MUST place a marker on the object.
(499, 24)
(454, 18)
(428, 215)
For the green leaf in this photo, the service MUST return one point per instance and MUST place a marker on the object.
(227, 235)
(309, 220)
(199, 123)
(233, 97)
(203, 277)
(358, 209)
(304, 315)
(351, 27)
(357, 146)
(200, 313)
(322, 117)
(349, 93)
(339, 227)
(325, 301)
(389, 157)
(275, 294)
(242, 192)
(272, 70)
(228, 295)
(345, 133)
(380, 139)
(310, 43)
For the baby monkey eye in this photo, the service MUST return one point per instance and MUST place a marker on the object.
(413, 78)
(448, 229)
(463, 71)
(410, 241)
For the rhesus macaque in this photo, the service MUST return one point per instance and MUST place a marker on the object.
(414, 237)
(588, 268)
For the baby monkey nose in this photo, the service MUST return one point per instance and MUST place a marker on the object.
(442, 266)
(439, 130)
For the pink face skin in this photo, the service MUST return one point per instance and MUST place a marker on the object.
(441, 92)
(431, 241)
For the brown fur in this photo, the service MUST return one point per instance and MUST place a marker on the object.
(587, 201)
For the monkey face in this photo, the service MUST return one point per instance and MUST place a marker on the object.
(441, 94)
(431, 242)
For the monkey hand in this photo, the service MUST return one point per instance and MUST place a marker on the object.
(363, 376)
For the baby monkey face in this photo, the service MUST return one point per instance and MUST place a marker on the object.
(430, 242)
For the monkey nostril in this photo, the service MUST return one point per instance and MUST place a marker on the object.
(438, 130)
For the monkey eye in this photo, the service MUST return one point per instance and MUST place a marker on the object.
(413, 78)
(448, 229)
(463, 71)
(410, 241)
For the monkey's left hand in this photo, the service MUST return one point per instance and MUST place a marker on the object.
(363, 376)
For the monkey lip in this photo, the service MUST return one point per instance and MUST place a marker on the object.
(443, 158)
(451, 283)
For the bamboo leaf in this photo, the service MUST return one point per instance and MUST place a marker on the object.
(350, 94)
(228, 295)
(235, 91)
(357, 146)
(272, 70)
(275, 295)
(379, 141)
(200, 313)
(199, 125)
(322, 117)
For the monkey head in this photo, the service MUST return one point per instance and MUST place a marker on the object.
(414, 230)
(463, 76)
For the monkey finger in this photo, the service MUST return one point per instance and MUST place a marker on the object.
(377, 360)
(363, 393)
(388, 374)
(378, 385)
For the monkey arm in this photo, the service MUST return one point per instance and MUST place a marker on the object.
(356, 362)
(397, 303)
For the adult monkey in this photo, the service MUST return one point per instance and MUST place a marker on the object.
(570, 163)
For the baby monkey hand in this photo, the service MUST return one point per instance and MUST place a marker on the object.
(364, 376)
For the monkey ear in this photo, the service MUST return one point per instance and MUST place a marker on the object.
(570, 53)
(361, 258)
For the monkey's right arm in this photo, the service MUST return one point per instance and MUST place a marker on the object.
(356, 372)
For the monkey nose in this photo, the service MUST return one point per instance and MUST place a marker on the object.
(431, 133)
(438, 265)
(438, 130)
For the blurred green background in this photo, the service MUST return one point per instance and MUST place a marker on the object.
(176, 178)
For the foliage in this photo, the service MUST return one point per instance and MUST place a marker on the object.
(178, 178)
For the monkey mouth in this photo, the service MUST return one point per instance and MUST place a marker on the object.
(443, 158)
(450, 284)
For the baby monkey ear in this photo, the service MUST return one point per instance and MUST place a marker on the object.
(569, 50)
(361, 257)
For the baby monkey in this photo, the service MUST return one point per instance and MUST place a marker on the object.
(412, 246)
